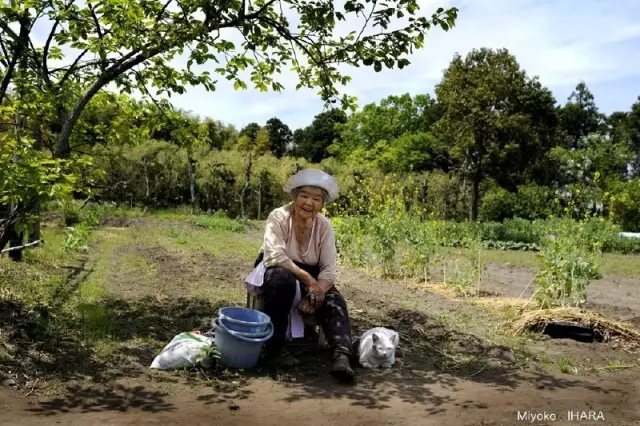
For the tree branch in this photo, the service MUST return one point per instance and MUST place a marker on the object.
(62, 148)
(72, 68)
(96, 22)
(4, 52)
(161, 12)
(157, 104)
(18, 51)
(45, 53)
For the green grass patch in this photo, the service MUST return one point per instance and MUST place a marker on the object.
(218, 222)
(615, 365)
(627, 265)
(95, 321)
(565, 365)
(39, 278)
(218, 242)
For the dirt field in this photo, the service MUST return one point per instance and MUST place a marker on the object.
(458, 362)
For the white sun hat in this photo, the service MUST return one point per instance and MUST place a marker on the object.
(313, 177)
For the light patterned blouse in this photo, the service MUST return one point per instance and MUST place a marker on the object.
(280, 244)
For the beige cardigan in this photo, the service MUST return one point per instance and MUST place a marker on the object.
(280, 243)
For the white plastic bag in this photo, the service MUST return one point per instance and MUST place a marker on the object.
(184, 350)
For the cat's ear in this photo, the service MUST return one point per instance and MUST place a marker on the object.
(375, 337)
(394, 339)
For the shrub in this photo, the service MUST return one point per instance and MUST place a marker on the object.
(568, 266)
(624, 205)
(71, 213)
(535, 202)
(497, 204)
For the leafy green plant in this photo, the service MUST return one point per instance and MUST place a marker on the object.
(464, 272)
(352, 241)
(385, 238)
(423, 240)
(568, 266)
(71, 214)
(207, 354)
(77, 238)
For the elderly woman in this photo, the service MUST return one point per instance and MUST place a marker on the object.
(299, 250)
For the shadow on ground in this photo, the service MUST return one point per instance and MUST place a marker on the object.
(431, 356)
(91, 399)
(114, 340)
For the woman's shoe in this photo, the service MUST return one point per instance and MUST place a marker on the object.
(341, 368)
(286, 360)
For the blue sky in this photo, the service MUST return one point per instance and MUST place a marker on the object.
(562, 42)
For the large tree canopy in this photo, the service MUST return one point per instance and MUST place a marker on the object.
(495, 118)
(280, 136)
(312, 141)
(393, 117)
(579, 116)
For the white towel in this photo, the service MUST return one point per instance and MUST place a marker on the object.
(296, 323)
(254, 281)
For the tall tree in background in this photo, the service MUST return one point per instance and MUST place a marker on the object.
(624, 130)
(312, 142)
(393, 117)
(497, 121)
(579, 116)
(250, 130)
(218, 134)
(280, 136)
(633, 129)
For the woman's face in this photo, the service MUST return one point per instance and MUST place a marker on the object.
(308, 202)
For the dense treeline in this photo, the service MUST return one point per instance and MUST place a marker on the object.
(492, 144)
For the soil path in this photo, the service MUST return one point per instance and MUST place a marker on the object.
(615, 296)
(497, 385)
(423, 400)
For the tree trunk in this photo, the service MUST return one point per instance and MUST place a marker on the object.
(18, 52)
(243, 191)
(4, 236)
(192, 182)
(259, 198)
(475, 197)
(147, 189)
(34, 229)
(15, 240)
(62, 147)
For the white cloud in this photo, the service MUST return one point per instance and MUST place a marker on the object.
(562, 42)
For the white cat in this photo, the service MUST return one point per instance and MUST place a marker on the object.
(378, 347)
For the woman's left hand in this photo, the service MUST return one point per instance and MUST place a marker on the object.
(315, 294)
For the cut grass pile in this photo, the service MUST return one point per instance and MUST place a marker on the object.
(538, 320)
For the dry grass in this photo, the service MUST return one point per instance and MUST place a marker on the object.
(537, 320)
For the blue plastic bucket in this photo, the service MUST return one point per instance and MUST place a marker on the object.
(244, 319)
(236, 350)
(216, 323)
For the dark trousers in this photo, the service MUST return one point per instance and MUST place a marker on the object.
(278, 292)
